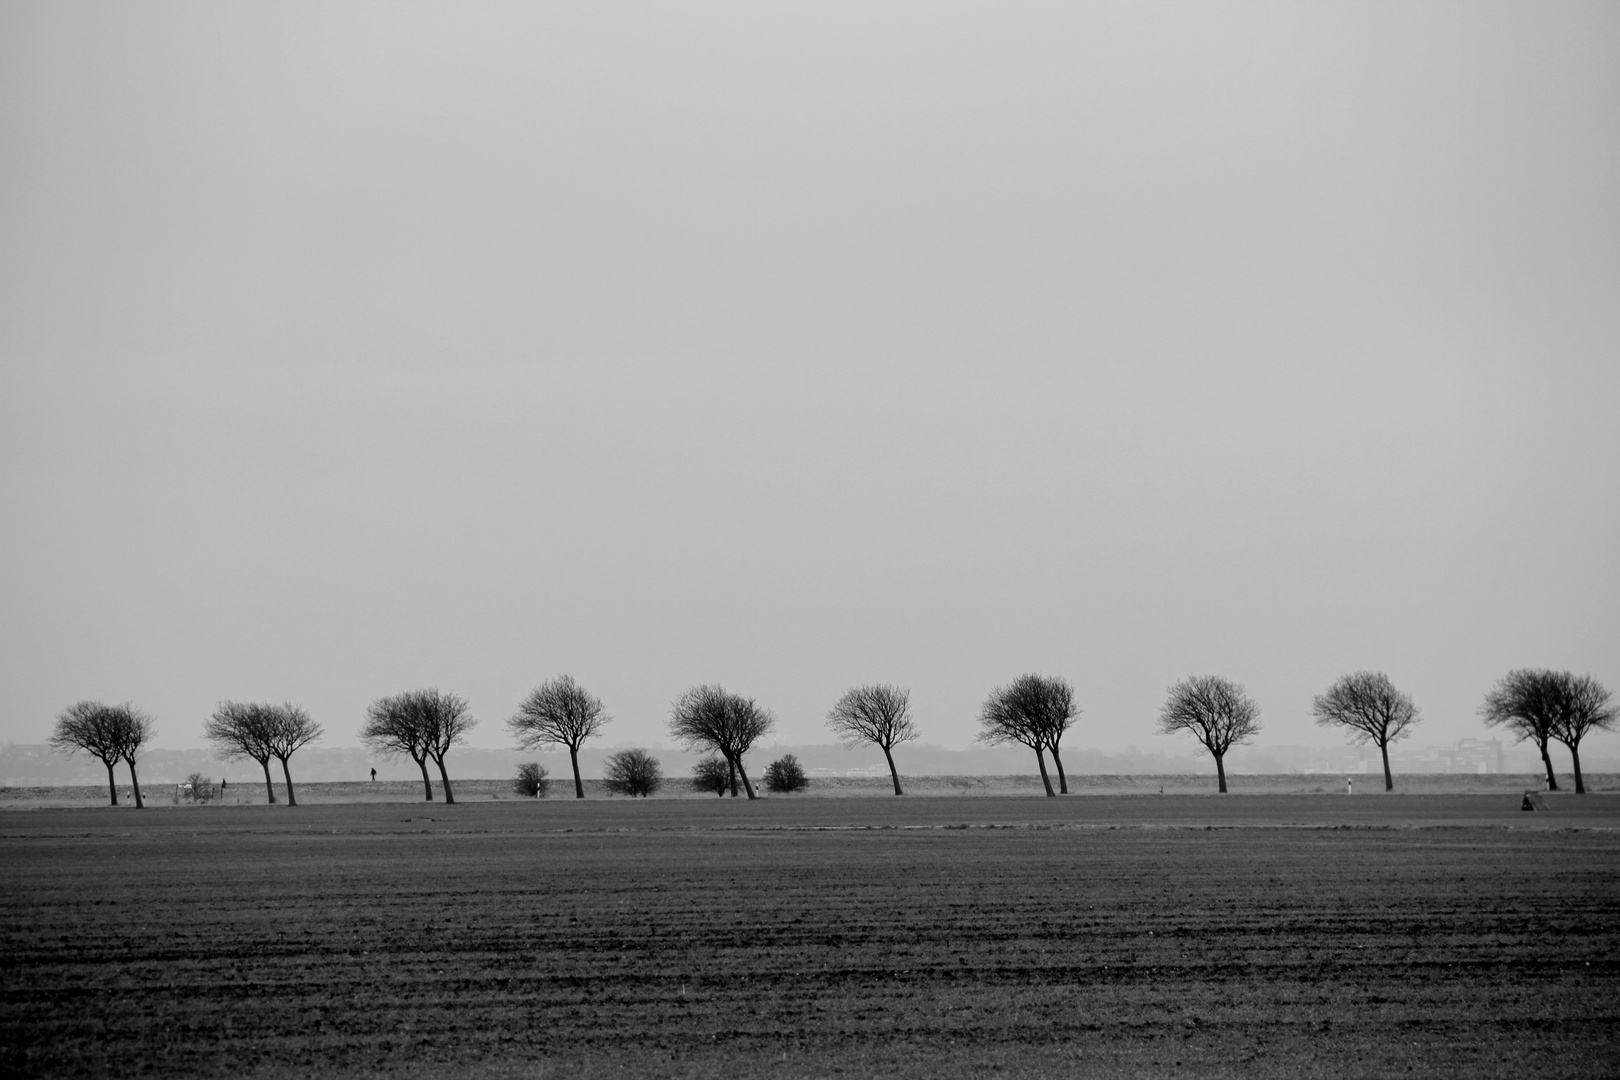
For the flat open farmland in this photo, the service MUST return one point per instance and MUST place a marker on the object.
(1178, 935)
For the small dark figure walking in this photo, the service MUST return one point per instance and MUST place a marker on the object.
(373, 776)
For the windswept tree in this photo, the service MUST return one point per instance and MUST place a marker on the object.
(878, 714)
(1541, 705)
(1216, 711)
(446, 720)
(391, 728)
(106, 733)
(241, 729)
(1368, 705)
(290, 729)
(426, 722)
(712, 718)
(560, 713)
(1034, 710)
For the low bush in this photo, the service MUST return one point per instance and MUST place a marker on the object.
(199, 788)
(531, 780)
(785, 774)
(711, 774)
(632, 772)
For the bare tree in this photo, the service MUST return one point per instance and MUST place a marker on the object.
(1589, 708)
(712, 718)
(447, 721)
(879, 714)
(391, 728)
(99, 730)
(1216, 711)
(240, 729)
(531, 780)
(560, 713)
(1368, 704)
(1034, 710)
(1541, 705)
(712, 774)
(290, 729)
(632, 773)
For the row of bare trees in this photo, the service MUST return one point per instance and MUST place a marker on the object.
(1034, 710)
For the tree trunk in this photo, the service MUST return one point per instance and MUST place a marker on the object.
(1575, 756)
(747, 787)
(1389, 781)
(579, 785)
(731, 768)
(444, 778)
(1220, 770)
(112, 784)
(1041, 758)
(269, 784)
(287, 774)
(427, 785)
(892, 774)
(1546, 760)
(140, 804)
(1063, 781)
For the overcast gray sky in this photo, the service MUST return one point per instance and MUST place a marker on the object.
(354, 348)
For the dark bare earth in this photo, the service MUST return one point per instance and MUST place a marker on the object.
(1249, 935)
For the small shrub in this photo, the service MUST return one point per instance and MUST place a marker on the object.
(785, 774)
(199, 788)
(633, 772)
(531, 780)
(711, 774)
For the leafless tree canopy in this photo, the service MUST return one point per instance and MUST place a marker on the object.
(1216, 711)
(241, 729)
(560, 713)
(712, 718)
(632, 772)
(261, 731)
(878, 714)
(391, 729)
(1540, 705)
(1369, 706)
(290, 729)
(1034, 710)
(108, 732)
(712, 774)
(422, 723)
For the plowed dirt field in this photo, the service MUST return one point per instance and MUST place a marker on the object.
(1107, 936)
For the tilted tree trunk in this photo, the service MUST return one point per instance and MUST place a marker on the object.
(1046, 780)
(287, 775)
(1389, 781)
(269, 784)
(140, 804)
(893, 775)
(1575, 756)
(731, 768)
(1546, 760)
(579, 785)
(427, 785)
(1220, 770)
(1063, 781)
(112, 784)
(748, 788)
(444, 778)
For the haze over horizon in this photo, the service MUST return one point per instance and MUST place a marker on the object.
(351, 349)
